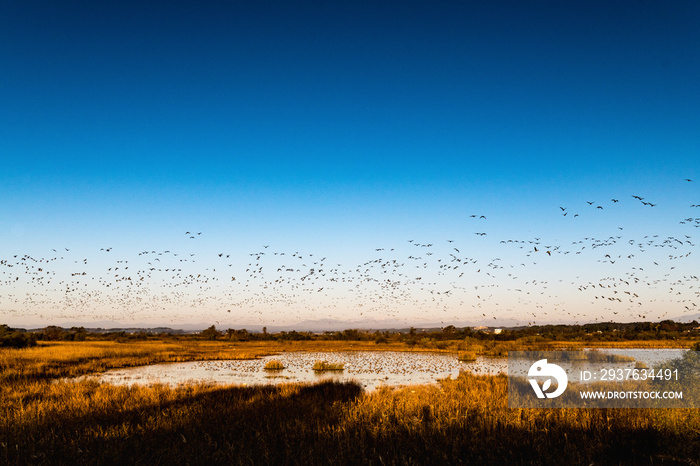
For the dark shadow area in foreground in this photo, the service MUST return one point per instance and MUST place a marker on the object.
(311, 425)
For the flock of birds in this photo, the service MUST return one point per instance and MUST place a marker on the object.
(619, 276)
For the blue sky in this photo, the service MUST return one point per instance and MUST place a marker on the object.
(338, 129)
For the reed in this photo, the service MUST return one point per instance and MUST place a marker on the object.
(324, 366)
(641, 365)
(274, 365)
(463, 420)
(71, 359)
(467, 356)
(460, 420)
(593, 355)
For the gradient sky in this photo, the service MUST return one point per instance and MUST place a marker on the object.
(339, 128)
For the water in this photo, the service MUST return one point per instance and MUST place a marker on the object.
(372, 369)
(652, 357)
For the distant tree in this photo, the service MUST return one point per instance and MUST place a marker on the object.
(79, 333)
(210, 333)
(237, 335)
(380, 337)
(351, 334)
(14, 338)
(52, 332)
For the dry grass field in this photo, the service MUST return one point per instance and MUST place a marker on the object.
(46, 420)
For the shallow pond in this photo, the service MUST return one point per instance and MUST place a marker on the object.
(651, 357)
(370, 368)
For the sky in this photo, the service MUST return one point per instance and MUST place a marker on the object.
(332, 161)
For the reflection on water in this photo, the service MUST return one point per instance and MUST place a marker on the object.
(370, 368)
(573, 368)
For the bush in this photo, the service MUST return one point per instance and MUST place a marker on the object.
(323, 366)
(210, 333)
(467, 356)
(13, 338)
(274, 365)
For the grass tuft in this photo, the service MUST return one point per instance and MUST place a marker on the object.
(467, 356)
(323, 366)
(274, 365)
(641, 365)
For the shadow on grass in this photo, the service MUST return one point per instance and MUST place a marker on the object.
(288, 424)
(220, 426)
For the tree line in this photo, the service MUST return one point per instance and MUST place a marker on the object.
(605, 331)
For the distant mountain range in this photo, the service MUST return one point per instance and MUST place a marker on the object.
(320, 325)
(687, 318)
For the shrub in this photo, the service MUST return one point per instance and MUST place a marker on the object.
(274, 365)
(323, 366)
(467, 356)
(13, 338)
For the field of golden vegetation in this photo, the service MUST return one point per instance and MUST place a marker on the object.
(47, 420)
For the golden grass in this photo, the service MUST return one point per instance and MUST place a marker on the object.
(274, 365)
(463, 420)
(593, 355)
(70, 359)
(641, 365)
(467, 356)
(325, 366)
(627, 344)
(466, 420)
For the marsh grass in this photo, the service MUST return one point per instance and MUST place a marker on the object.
(46, 420)
(641, 365)
(274, 365)
(325, 366)
(467, 356)
(462, 420)
(71, 359)
(593, 355)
